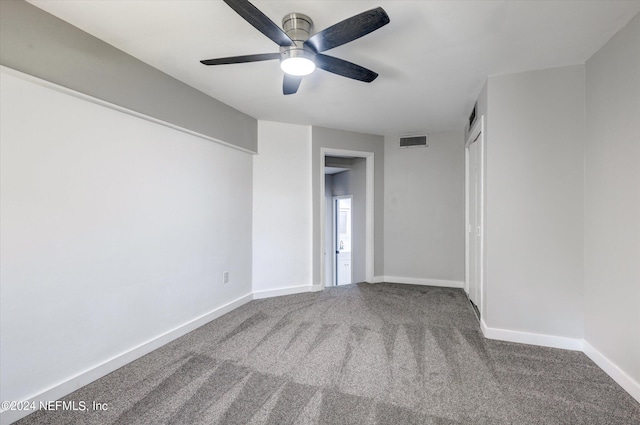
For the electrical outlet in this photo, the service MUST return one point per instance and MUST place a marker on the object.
(225, 277)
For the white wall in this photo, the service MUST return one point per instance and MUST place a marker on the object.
(612, 202)
(282, 215)
(534, 204)
(353, 182)
(114, 231)
(424, 210)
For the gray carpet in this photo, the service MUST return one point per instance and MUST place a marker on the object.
(358, 354)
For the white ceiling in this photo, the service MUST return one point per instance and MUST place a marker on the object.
(433, 57)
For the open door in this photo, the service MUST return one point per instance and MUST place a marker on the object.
(473, 227)
(343, 239)
(475, 223)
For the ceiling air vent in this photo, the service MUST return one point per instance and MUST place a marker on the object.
(414, 141)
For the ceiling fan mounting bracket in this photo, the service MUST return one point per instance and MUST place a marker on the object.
(298, 27)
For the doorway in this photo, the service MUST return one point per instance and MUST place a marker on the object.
(474, 240)
(342, 240)
(362, 209)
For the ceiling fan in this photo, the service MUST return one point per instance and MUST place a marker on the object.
(300, 52)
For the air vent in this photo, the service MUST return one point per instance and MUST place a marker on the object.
(414, 142)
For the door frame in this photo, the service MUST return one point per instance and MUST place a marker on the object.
(334, 221)
(476, 135)
(369, 208)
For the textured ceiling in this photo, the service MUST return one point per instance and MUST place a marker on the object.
(433, 57)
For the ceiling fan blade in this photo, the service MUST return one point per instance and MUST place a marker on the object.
(345, 68)
(260, 21)
(290, 84)
(348, 30)
(241, 59)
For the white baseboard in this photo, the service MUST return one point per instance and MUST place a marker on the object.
(543, 340)
(289, 290)
(378, 279)
(84, 378)
(629, 384)
(420, 281)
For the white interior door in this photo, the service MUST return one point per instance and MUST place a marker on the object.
(473, 203)
(343, 239)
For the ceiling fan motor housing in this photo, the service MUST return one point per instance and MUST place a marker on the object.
(298, 27)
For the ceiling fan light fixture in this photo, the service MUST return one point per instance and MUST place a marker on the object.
(297, 62)
(298, 66)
